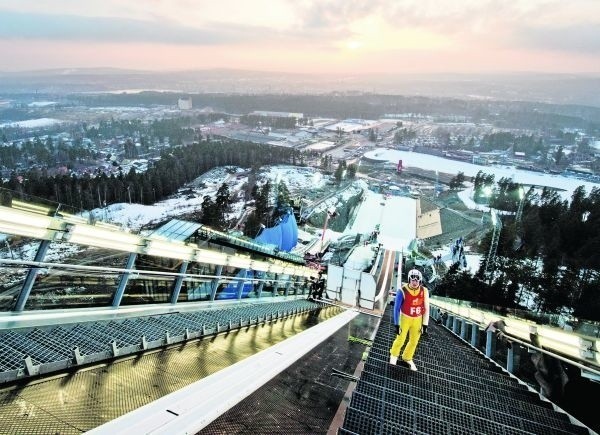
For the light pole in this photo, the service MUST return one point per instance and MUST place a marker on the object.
(497, 223)
(260, 228)
(277, 180)
(518, 240)
(521, 202)
(9, 250)
(383, 202)
(487, 192)
(331, 212)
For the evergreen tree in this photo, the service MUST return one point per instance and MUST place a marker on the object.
(352, 168)
(283, 195)
(457, 181)
(222, 204)
(210, 215)
(340, 170)
(558, 155)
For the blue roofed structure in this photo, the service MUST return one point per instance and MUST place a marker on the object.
(284, 235)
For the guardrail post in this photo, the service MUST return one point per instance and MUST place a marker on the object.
(489, 344)
(260, 289)
(288, 285)
(510, 359)
(240, 287)
(463, 329)
(474, 334)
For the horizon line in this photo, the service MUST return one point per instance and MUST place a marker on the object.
(242, 70)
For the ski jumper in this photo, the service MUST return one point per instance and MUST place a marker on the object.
(411, 310)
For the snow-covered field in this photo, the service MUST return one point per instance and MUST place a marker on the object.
(426, 161)
(135, 216)
(42, 104)
(33, 123)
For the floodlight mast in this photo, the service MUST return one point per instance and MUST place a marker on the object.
(331, 212)
(497, 223)
(519, 214)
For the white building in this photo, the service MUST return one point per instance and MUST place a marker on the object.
(277, 114)
(185, 103)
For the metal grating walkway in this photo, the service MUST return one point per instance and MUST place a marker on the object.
(81, 400)
(30, 353)
(457, 390)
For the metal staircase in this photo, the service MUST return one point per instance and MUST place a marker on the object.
(456, 390)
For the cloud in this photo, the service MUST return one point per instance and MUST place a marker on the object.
(301, 34)
(16, 25)
(336, 13)
(580, 38)
(468, 19)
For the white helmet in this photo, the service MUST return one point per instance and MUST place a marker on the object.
(415, 274)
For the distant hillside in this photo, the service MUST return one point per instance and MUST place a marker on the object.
(548, 88)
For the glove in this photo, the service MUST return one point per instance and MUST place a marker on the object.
(424, 330)
(398, 330)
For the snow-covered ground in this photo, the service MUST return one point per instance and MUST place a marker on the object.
(395, 215)
(33, 123)
(42, 104)
(135, 216)
(295, 178)
(473, 260)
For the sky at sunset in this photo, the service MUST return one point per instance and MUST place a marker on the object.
(308, 36)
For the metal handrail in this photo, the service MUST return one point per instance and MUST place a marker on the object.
(547, 352)
(552, 352)
(145, 272)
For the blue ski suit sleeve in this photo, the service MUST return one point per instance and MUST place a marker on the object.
(397, 305)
